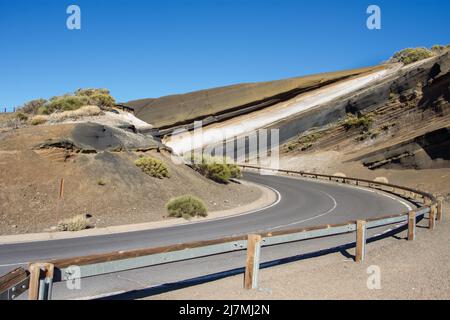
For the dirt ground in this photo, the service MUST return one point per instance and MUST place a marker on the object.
(103, 183)
(417, 269)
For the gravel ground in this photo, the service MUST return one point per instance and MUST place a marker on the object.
(408, 270)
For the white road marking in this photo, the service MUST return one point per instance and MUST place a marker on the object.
(312, 218)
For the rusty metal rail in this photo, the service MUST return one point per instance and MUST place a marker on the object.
(40, 276)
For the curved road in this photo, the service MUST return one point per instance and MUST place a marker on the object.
(301, 203)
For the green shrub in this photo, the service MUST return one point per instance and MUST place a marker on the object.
(68, 102)
(235, 170)
(352, 121)
(218, 172)
(215, 168)
(153, 167)
(65, 103)
(186, 207)
(76, 223)
(410, 55)
(102, 101)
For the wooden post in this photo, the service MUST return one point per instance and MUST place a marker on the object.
(439, 210)
(432, 217)
(252, 265)
(411, 225)
(360, 240)
(33, 290)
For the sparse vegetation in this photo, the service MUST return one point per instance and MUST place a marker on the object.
(439, 49)
(21, 117)
(33, 106)
(186, 207)
(218, 169)
(69, 102)
(153, 167)
(304, 142)
(363, 122)
(39, 119)
(86, 111)
(411, 55)
(76, 223)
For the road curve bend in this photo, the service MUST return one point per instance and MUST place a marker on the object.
(302, 202)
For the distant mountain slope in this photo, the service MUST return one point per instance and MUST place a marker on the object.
(180, 109)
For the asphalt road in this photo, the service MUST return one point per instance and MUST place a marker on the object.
(301, 203)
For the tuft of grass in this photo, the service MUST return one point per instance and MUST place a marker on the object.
(76, 223)
(362, 122)
(39, 119)
(86, 111)
(186, 207)
(153, 167)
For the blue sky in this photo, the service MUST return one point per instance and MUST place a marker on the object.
(142, 49)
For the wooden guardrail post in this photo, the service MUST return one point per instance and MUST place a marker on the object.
(360, 240)
(252, 264)
(411, 225)
(33, 290)
(432, 217)
(40, 288)
(439, 210)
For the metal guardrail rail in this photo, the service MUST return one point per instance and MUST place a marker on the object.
(40, 276)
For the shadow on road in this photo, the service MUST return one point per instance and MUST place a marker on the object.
(167, 287)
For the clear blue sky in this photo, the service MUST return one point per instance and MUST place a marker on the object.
(142, 49)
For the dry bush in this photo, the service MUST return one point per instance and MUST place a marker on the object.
(39, 119)
(76, 223)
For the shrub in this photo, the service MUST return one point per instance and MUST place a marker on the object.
(36, 120)
(186, 207)
(363, 122)
(76, 223)
(65, 103)
(153, 167)
(235, 170)
(21, 116)
(218, 172)
(32, 106)
(215, 168)
(410, 55)
(68, 102)
(98, 97)
(437, 48)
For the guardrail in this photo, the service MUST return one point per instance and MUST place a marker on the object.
(40, 276)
